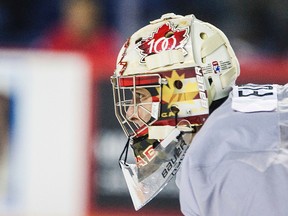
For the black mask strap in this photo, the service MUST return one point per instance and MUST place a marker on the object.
(124, 152)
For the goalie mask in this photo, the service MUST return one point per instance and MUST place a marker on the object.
(168, 76)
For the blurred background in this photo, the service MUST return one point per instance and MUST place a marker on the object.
(59, 139)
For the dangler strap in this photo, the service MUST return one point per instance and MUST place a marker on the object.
(125, 151)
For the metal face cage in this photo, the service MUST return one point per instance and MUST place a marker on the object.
(128, 93)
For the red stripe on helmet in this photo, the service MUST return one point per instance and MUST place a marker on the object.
(138, 81)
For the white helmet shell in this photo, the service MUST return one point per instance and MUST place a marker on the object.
(176, 42)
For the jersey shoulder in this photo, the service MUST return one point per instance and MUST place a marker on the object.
(229, 130)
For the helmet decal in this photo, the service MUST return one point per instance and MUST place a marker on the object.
(166, 37)
(184, 88)
(176, 91)
(121, 62)
(216, 67)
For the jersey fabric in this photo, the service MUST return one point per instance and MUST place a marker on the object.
(237, 163)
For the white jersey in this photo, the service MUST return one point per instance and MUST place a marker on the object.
(237, 163)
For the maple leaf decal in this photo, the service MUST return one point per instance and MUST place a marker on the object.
(166, 37)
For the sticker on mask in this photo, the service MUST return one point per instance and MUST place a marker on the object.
(254, 98)
(169, 36)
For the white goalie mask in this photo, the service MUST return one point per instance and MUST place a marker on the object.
(168, 78)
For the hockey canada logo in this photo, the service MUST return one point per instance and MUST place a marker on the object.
(166, 37)
(216, 67)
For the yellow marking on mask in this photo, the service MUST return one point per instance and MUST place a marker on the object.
(187, 93)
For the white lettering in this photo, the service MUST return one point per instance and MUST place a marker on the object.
(162, 44)
(201, 87)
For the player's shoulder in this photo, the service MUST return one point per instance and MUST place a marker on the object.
(238, 127)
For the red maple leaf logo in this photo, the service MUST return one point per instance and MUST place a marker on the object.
(166, 37)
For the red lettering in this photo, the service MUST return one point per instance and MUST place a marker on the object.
(150, 153)
(140, 161)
